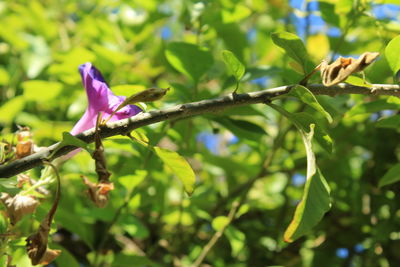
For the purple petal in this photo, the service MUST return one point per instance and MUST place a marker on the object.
(100, 99)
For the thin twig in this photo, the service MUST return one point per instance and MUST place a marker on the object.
(217, 235)
(123, 127)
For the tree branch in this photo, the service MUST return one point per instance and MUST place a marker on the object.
(123, 127)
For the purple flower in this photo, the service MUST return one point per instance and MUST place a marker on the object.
(101, 99)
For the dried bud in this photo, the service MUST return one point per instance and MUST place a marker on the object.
(98, 193)
(22, 179)
(25, 144)
(18, 206)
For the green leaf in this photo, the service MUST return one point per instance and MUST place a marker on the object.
(392, 54)
(293, 47)
(220, 222)
(132, 181)
(320, 134)
(65, 259)
(235, 67)
(357, 81)
(390, 122)
(41, 91)
(11, 108)
(371, 107)
(189, 59)
(70, 140)
(179, 166)
(391, 176)
(134, 227)
(243, 129)
(236, 238)
(308, 98)
(315, 201)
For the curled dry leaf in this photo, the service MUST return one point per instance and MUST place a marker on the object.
(36, 245)
(341, 68)
(18, 206)
(24, 142)
(98, 193)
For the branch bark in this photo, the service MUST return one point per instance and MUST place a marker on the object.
(181, 111)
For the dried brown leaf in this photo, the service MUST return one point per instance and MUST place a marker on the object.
(342, 68)
(18, 206)
(98, 193)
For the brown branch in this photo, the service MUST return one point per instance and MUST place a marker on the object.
(125, 126)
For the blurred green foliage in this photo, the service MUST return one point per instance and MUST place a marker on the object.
(253, 154)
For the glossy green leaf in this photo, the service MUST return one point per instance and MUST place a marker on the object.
(371, 107)
(41, 91)
(235, 67)
(315, 201)
(390, 122)
(180, 167)
(189, 59)
(308, 98)
(391, 176)
(293, 47)
(392, 54)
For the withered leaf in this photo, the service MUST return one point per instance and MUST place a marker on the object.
(36, 245)
(341, 68)
(18, 206)
(98, 193)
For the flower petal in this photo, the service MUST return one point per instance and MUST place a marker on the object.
(100, 99)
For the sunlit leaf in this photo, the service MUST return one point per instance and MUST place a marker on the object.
(220, 222)
(315, 201)
(235, 67)
(392, 54)
(179, 166)
(357, 81)
(391, 176)
(293, 47)
(308, 98)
